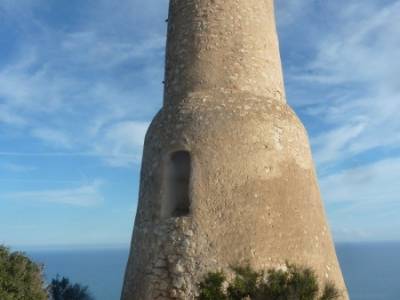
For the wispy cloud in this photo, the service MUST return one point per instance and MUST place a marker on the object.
(364, 201)
(16, 168)
(124, 141)
(290, 11)
(82, 91)
(358, 44)
(85, 195)
(341, 61)
(87, 48)
(351, 64)
(335, 144)
(119, 144)
(374, 184)
(53, 137)
(10, 118)
(22, 7)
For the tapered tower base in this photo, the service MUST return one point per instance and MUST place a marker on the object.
(251, 195)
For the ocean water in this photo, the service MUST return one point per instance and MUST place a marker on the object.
(101, 270)
(371, 270)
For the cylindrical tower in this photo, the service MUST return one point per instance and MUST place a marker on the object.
(222, 45)
(227, 173)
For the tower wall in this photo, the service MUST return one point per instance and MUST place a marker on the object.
(222, 45)
(252, 195)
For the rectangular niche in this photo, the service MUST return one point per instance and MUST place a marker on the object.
(177, 201)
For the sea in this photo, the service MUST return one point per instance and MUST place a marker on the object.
(371, 270)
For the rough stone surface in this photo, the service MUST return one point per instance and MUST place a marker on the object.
(253, 189)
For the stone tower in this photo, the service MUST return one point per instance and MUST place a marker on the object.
(227, 174)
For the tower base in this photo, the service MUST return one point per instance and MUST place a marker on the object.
(252, 198)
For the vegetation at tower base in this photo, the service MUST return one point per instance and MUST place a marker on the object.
(62, 289)
(290, 283)
(20, 278)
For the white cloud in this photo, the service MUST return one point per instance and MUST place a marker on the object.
(351, 234)
(373, 184)
(289, 11)
(87, 48)
(44, 95)
(346, 77)
(335, 144)
(121, 144)
(10, 118)
(363, 202)
(357, 64)
(53, 137)
(21, 7)
(360, 47)
(16, 168)
(86, 195)
(23, 91)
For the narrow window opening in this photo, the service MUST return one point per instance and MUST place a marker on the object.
(179, 183)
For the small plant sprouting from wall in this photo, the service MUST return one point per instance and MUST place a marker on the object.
(291, 283)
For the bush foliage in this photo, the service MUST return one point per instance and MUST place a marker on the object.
(293, 283)
(62, 289)
(20, 278)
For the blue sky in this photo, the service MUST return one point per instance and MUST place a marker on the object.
(81, 80)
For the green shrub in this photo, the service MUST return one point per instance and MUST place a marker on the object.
(330, 292)
(245, 283)
(294, 283)
(20, 278)
(62, 289)
(211, 287)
